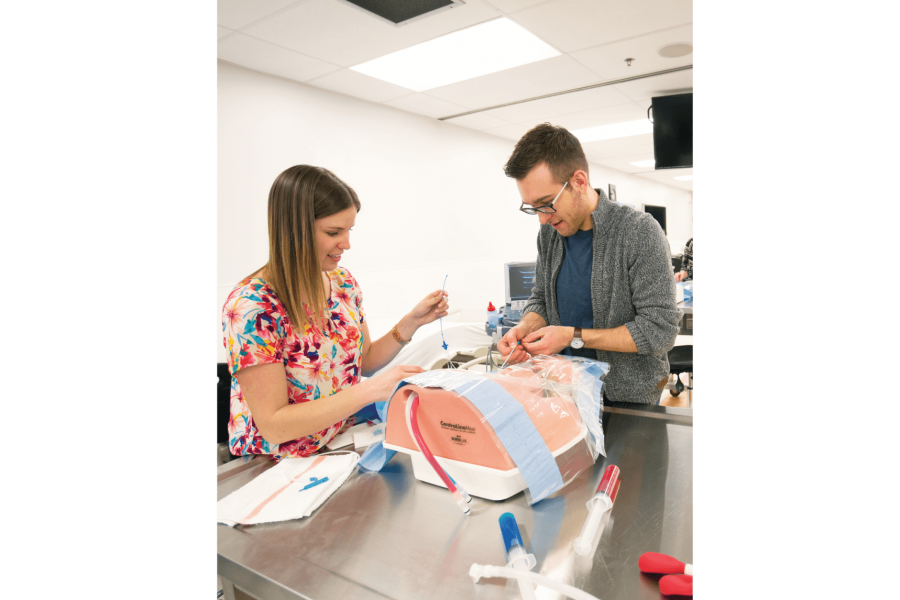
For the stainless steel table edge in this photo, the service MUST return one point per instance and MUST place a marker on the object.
(265, 585)
(239, 465)
(281, 575)
(673, 414)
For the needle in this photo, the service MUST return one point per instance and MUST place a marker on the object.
(509, 355)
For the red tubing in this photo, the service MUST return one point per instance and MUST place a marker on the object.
(428, 455)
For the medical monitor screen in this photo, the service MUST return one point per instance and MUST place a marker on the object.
(519, 281)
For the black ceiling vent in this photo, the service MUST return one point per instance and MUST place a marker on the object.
(401, 12)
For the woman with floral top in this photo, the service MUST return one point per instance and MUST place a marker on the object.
(296, 332)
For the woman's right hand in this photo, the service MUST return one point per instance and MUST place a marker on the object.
(382, 386)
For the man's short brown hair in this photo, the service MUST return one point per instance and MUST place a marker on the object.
(546, 143)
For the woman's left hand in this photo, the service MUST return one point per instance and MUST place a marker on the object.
(433, 307)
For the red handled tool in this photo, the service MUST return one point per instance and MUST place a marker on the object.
(679, 577)
(663, 564)
(677, 585)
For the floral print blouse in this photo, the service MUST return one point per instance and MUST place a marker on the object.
(317, 364)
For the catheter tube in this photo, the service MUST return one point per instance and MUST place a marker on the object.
(414, 430)
(459, 494)
(477, 571)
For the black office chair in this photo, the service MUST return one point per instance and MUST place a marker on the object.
(223, 401)
(681, 360)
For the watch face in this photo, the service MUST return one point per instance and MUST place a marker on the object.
(577, 343)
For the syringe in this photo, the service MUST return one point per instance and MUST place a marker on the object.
(516, 555)
(601, 502)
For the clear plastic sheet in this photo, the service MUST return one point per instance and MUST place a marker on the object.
(576, 379)
(541, 416)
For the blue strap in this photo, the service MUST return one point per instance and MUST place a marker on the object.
(517, 433)
(376, 455)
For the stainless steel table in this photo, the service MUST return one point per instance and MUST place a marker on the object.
(388, 535)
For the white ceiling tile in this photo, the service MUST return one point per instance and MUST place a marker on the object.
(222, 32)
(613, 152)
(234, 14)
(510, 6)
(608, 61)
(576, 24)
(667, 176)
(620, 113)
(510, 132)
(255, 54)
(362, 86)
(546, 108)
(479, 121)
(341, 34)
(661, 85)
(423, 104)
(617, 164)
(632, 154)
(615, 147)
(539, 78)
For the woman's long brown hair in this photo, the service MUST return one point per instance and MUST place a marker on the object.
(299, 196)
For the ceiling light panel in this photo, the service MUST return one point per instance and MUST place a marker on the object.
(345, 35)
(616, 130)
(649, 163)
(479, 50)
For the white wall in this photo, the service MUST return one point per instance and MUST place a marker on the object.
(435, 201)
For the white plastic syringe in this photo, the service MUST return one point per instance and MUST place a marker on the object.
(601, 502)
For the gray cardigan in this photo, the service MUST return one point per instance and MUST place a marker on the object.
(632, 284)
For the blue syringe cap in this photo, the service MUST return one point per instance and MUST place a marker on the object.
(510, 531)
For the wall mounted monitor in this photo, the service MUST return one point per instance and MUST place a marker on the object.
(673, 131)
(658, 213)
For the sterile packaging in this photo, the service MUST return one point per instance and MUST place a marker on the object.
(292, 489)
(533, 426)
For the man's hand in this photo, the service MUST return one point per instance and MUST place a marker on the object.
(508, 343)
(548, 340)
(680, 275)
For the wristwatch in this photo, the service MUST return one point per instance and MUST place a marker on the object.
(577, 342)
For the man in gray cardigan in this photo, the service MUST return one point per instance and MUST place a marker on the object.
(604, 286)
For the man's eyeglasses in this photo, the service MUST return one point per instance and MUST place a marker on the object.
(543, 209)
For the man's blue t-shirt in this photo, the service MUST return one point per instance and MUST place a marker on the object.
(573, 287)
